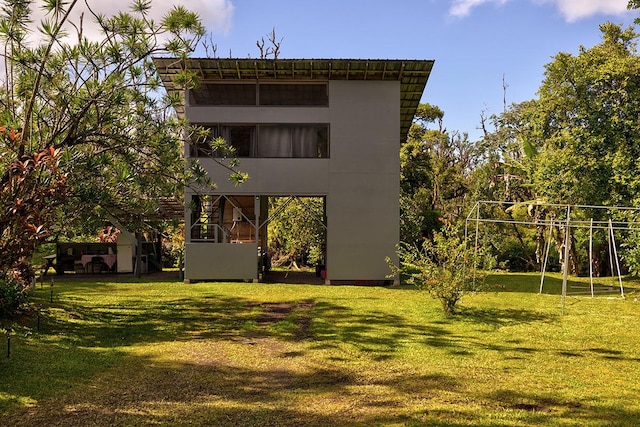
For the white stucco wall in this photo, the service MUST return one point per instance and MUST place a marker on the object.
(361, 178)
(363, 211)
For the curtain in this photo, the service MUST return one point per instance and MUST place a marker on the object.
(275, 141)
(305, 141)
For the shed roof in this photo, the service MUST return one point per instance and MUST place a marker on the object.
(412, 74)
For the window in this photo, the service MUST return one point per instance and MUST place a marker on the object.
(242, 138)
(224, 94)
(270, 94)
(294, 94)
(270, 140)
(297, 141)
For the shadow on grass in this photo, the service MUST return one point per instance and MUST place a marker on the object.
(85, 376)
(530, 283)
(218, 392)
(94, 323)
(581, 412)
(80, 335)
(496, 317)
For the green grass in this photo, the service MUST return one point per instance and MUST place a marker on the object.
(139, 353)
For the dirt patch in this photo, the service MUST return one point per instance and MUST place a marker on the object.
(297, 312)
(532, 407)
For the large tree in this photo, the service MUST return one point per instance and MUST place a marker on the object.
(83, 130)
(435, 174)
(579, 141)
(587, 123)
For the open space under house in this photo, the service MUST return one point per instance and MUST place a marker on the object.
(325, 128)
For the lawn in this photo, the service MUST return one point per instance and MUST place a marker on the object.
(220, 354)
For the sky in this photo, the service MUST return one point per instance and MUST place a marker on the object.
(478, 46)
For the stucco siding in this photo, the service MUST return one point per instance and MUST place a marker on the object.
(273, 176)
(221, 261)
(363, 211)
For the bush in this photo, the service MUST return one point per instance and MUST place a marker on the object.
(13, 294)
(444, 267)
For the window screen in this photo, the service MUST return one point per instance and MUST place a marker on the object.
(224, 94)
(294, 94)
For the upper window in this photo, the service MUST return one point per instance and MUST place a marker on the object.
(281, 140)
(293, 94)
(268, 94)
(223, 94)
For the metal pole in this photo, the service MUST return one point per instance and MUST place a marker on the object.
(591, 256)
(546, 256)
(615, 251)
(565, 274)
(610, 250)
(475, 248)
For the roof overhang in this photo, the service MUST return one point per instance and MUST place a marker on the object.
(412, 75)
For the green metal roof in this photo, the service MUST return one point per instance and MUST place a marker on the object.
(412, 74)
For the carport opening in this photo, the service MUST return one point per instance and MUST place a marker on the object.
(296, 239)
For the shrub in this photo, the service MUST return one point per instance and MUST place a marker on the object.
(444, 267)
(13, 294)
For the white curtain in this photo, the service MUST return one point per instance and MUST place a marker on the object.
(275, 141)
(305, 141)
(288, 141)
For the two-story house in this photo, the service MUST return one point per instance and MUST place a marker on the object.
(327, 128)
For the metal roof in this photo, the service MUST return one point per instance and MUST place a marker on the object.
(412, 74)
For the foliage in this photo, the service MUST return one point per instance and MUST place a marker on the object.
(445, 267)
(586, 123)
(14, 292)
(435, 175)
(173, 245)
(32, 187)
(577, 143)
(84, 129)
(296, 234)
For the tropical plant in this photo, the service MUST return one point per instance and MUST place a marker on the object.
(84, 130)
(445, 267)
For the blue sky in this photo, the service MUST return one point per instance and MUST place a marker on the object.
(475, 43)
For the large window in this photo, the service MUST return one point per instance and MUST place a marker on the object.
(268, 94)
(270, 140)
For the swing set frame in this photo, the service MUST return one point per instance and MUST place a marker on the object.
(475, 217)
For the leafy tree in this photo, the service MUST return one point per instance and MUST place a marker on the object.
(435, 174)
(587, 123)
(296, 235)
(84, 129)
(578, 143)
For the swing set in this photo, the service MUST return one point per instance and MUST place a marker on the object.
(564, 216)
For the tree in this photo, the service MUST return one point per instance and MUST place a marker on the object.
(84, 130)
(297, 236)
(435, 173)
(444, 267)
(578, 143)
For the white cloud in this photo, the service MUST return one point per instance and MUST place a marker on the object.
(462, 8)
(572, 10)
(216, 15)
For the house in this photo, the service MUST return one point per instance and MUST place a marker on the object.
(327, 128)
